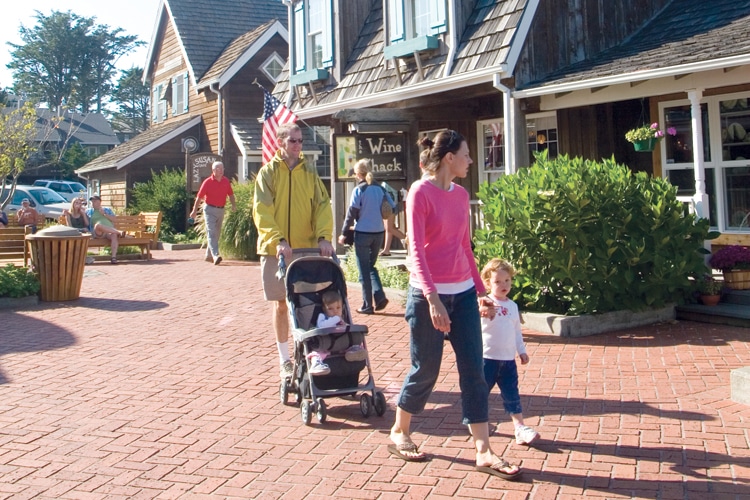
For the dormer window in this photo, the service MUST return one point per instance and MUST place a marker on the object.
(413, 26)
(313, 41)
(272, 67)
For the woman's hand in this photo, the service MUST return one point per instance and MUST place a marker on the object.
(438, 313)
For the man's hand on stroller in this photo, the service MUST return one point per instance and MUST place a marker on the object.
(326, 249)
(284, 248)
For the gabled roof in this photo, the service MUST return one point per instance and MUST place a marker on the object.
(686, 36)
(205, 29)
(240, 51)
(140, 145)
(90, 129)
(489, 44)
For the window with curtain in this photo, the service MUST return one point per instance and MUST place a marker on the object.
(409, 19)
(313, 35)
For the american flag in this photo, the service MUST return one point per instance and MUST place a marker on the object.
(274, 114)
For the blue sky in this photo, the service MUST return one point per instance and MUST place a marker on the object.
(136, 17)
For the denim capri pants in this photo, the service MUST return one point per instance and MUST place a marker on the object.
(505, 375)
(426, 348)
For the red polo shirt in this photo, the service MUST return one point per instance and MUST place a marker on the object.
(215, 192)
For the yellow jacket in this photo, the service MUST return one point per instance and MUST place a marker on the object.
(293, 205)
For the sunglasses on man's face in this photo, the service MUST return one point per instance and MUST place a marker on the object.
(295, 141)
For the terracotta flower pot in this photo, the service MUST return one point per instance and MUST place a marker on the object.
(710, 300)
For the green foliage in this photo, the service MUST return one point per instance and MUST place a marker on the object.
(589, 237)
(189, 236)
(390, 276)
(132, 99)
(17, 133)
(239, 236)
(165, 192)
(17, 282)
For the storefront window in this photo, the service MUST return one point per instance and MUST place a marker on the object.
(494, 148)
(737, 180)
(684, 179)
(735, 124)
(542, 135)
(680, 146)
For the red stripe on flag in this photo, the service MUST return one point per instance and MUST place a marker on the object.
(274, 114)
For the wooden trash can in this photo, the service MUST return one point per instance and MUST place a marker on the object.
(58, 255)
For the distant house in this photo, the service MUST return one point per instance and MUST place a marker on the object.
(57, 133)
(520, 76)
(202, 61)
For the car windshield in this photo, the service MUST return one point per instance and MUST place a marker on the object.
(46, 196)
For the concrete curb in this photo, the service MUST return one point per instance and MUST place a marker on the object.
(178, 246)
(582, 326)
(740, 381)
(10, 303)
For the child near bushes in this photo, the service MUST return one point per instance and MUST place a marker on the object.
(502, 340)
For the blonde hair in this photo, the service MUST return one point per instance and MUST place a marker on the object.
(331, 297)
(362, 167)
(494, 266)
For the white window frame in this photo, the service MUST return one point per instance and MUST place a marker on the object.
(402, 14)
(717, 163)
(273, 59)
(490, 174)
(302, 37)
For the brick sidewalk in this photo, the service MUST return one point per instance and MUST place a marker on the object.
(162, 382)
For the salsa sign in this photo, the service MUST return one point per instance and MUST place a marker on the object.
(386, 151)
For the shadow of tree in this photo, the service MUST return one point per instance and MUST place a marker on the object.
(25, 334)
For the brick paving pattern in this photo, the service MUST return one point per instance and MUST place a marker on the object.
(162, 382)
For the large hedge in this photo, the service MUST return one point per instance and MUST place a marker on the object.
(591, 237)
(165, 193)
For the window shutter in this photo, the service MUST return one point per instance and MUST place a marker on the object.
(300, 34)
(438, 19)
(175, 99)
(155, 104)
(185, 86)
(328, 34)
(396, 20)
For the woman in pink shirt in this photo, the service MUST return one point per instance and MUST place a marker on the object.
(442, 299)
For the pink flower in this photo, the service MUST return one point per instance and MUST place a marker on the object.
(654, 125)
(672, 131)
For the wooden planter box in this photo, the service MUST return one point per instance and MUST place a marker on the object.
(737, 280)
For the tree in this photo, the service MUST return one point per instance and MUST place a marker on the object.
(17, 134)
(132, 98)
(66, 59)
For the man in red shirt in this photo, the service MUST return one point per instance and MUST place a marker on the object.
(214, 192)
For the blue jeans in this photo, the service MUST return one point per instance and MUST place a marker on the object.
(366, 248)
(427, 353)
(505, 375)
(214, 217)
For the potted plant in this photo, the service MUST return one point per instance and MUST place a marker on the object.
(645, 137)
(709, 290)
(734, 263)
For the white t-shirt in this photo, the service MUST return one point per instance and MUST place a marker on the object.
(501, 335)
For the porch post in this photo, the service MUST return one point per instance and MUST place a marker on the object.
(700, 198)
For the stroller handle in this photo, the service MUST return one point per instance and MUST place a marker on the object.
(300, 251)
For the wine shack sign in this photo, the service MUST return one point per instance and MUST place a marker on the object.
(388, 153)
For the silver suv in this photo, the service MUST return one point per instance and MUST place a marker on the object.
(46, 201)
(67, 189)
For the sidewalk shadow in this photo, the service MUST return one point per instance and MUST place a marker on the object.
(105, 304)
(24, 334)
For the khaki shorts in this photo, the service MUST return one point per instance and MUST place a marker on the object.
(273, 287)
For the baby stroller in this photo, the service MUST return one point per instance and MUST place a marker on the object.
(307, 278)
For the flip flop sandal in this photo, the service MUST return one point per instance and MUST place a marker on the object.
(400, 451)
(496, 469)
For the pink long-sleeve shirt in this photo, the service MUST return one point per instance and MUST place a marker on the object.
(439, 238)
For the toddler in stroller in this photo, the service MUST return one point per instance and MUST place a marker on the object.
(329, 352)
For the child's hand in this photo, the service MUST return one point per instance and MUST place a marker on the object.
(524, 358)
(486, 308)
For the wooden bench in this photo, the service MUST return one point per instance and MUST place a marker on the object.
(141, 230)
(13, 247)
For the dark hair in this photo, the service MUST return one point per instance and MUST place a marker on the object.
(445, 141)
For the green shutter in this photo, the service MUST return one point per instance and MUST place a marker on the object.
(396, 30)
(175, 111)
(438, 19)
(186, 91)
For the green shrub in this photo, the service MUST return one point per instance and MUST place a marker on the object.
(590, 237)
(165, 193)
(17, 282)
(390, 276)
(239, 237)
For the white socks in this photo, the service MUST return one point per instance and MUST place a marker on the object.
(283, 348)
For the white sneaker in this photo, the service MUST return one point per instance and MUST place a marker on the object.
(355, 353)
(317, 367)
(286, 369)
(525, 434)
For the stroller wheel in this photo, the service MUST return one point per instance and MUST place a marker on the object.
(284, 393)
(306, 411)
(365, 405)
(320, 410)
(379, 403)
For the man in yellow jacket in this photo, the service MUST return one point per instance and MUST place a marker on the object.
(291, 209)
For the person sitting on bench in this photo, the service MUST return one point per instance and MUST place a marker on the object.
(102, 224)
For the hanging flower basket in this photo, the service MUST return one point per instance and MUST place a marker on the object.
(646, 145)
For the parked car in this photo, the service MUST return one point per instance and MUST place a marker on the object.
(67, 189)
(45, 200)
